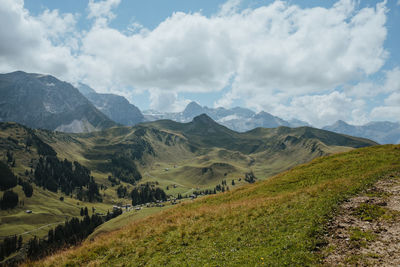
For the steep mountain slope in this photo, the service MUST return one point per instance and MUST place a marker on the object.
(383, 132)
(278, 222)
(238, 119)
(114, 106)
(42, 101)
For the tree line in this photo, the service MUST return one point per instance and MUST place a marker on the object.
(9, 246)
(53, 174)
(146, 193)
(72, 232)
(124, 168)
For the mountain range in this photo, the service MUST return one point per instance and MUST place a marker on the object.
(383, 132)
(116, 107)
(43, 101)
(238, 119)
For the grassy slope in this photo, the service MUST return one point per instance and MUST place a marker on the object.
(201, 144)
(274, 222)
(94, 149)
(46, 206)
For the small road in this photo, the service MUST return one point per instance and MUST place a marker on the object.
(151, 176)
(34, 230)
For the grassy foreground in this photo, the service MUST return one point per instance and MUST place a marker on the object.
(276, 222)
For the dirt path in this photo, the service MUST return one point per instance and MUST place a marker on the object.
(34, 230)
(366, 230)
(172, 182)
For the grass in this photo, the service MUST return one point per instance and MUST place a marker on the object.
(372, 212)
(125, 219)
(278, 222)
(228, 155)
(369, 212)
(360, 238)
(47, 209)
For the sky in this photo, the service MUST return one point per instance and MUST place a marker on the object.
(315, 60)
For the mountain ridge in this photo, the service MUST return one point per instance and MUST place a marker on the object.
(43, 101)
(384, 132)
(116, 107)
(237, 118)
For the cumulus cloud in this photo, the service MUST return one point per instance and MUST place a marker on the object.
(273, 56)
(390, 110)
(297, 51)
(392, 82)
(325, 109)
(167, 101)
(35, 43)
(102, 9)
(384, 113)
(229, 7)
(278, 50)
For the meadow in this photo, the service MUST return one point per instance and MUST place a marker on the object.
(277, 222)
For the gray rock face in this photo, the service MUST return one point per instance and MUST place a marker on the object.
(383, 132)
(237, 119)
(114, 106)
(42, 101)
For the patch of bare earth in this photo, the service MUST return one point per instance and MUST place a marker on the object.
(366, 229)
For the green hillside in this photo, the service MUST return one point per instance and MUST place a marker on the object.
(181, 157)
(277, 222)
(47, 208)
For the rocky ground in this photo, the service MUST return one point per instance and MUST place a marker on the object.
(366, 230)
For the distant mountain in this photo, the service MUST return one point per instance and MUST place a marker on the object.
(238, 119)
(383, 132)
(43, 101)
(192, 110)
(114, 106)
(203, 131)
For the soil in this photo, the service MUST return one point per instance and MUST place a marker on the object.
(357, 240)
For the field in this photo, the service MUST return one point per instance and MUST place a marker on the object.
(280, 221)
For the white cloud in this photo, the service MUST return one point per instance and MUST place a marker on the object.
(363, 89)
(384, 113)
(392, 82)
(322, 110)
(35, 43)
(393, 99)
(167, 101)
(102, 9)
(270, 54)
(296, 51)
(229, 7)
(390, 110)
(277, 49)
(398, 2)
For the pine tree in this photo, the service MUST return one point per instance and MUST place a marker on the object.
(20, 242)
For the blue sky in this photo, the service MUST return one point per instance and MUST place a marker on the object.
(315, 60)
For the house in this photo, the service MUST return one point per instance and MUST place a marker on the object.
(116, 208)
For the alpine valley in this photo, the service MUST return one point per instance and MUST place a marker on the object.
(77, 165)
